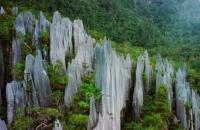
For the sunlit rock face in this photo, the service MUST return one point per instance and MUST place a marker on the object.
(2, 11)
(183, 96)
(57, 125)
(81, 65)
(113, 75)
(164, 76)
(142, 85)
(61, 39)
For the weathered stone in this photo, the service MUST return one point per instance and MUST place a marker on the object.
(113, 75)
(142, 84)
(24, 23)
(138, 94)
(164, 76)
(15, 10)
(196, 109)
(42, 89)
(61, 39)
(93, 114)
(2, 11)
(15, 95)
(57, 125)
(3, 125)
(183, 96)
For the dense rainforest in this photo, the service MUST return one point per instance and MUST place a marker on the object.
(170, 28)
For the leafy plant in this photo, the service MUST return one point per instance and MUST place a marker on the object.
(18, 70)
(58, 78)
(78, 121)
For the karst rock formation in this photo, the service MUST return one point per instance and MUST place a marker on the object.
(113, 74)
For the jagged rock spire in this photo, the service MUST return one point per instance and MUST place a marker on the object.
(183, 98)
(142, 84)
(164, 76)
(57, 125)
(113, 75)
(15, 95)
(61, 39)
(2, 11)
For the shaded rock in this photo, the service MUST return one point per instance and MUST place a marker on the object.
(196, 109)
(15, 95)
(138, 94)
(3, 125)
(41, 88)
(142, 84)
(24, 23)
(93, 114)
(1, 72)
(42, 25)
(15, 10)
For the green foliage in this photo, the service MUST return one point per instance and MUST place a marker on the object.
(126, 48)
(6, 28)
(18, 70)
(194, 78)
(134, 126)
(22, 123)
(44, 38)
(188, 105)
(57, 97)
(155, 114)
(78, 121)
(40, 113)
(57, 76)
(78, 117)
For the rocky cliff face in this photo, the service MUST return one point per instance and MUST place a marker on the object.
(112, 74)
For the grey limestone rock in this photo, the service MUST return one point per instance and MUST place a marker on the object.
(113, 75)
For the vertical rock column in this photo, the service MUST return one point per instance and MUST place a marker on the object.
(196, 109)
(142, 85)
(113, 75)
(164, 76)
(183, 96)
(84, 56)
(61, 39)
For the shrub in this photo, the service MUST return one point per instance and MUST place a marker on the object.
(18, 70)
(22, 123)
(57, 97)
(41, 113)
(134, 126)
(58, 78)
(188, 105)
(78, 121)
